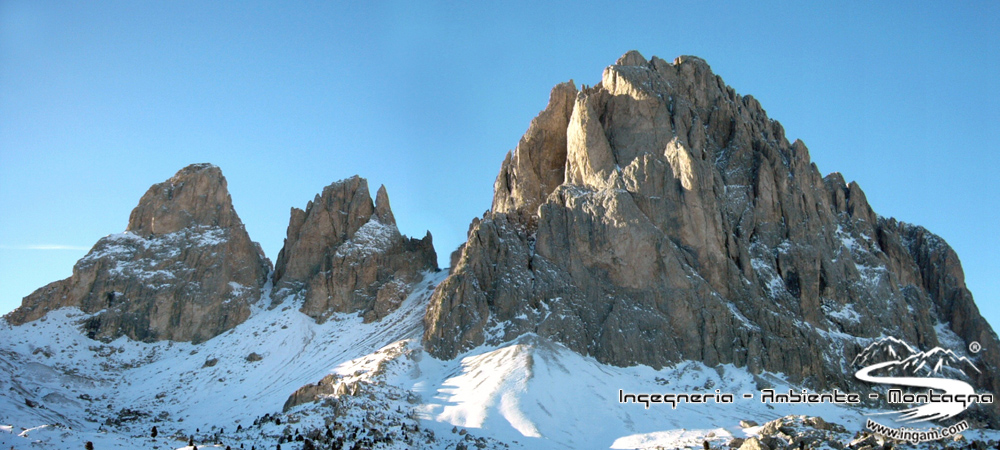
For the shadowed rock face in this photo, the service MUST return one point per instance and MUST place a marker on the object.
(184, 269)
(343, 253)
(531, 172)
(659, 216)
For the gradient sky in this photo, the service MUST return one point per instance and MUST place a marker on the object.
(100, 100)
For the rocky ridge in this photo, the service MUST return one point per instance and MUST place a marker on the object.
(675, 221)
(343, 253)
(185, 268)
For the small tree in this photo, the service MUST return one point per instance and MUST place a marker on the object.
(154, 432)
(89, 445)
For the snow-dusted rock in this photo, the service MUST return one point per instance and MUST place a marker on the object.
(687, 227)
(184, 269)
(343, 253)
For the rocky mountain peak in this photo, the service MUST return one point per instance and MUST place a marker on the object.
(184, 269)
(327, 221)
(344, 254)
(196, 195)
(537, 166)
(685, 226)
(631, 58)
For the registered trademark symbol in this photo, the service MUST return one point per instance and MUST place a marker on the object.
(974, 347)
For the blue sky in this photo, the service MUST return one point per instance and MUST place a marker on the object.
(98, 101)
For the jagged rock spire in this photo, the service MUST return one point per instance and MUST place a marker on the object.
(343, 253)
(382, 209)
(536, 167)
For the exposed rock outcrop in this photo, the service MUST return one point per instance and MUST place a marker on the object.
(684, 225)
(797, 432)
(532, 171)
(184, 269)
(343, 253)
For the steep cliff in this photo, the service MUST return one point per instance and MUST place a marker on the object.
(184, 269)
(343, 253)
(659, 216)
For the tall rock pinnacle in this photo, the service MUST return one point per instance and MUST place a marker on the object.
(532, 171)
(659, 216)
(184, 269)
(344, 254)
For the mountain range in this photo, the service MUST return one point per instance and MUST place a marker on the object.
(884, 350)
(908, 362)
(655, 229)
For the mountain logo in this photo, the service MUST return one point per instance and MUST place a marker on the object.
(891, 361)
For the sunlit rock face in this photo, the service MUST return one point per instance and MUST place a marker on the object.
(660, 216)
(344, 254)
(184, 269)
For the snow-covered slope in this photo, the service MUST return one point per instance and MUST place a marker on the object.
(59, 389)
(545, 396)
(80, 384)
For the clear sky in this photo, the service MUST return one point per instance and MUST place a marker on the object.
(100, 100)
